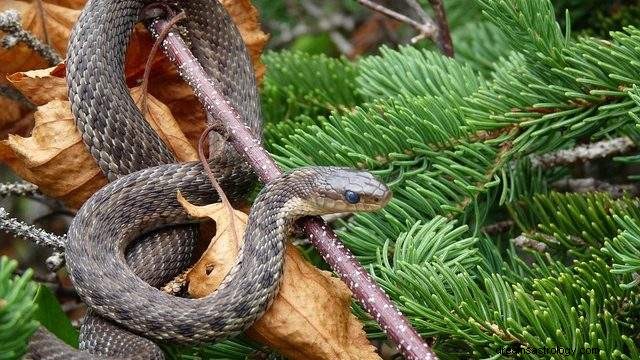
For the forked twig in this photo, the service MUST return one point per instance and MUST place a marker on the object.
(341, 260)
(438, 30)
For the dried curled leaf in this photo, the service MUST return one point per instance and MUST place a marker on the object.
(219, 258)
(310, 318)
(41, 86)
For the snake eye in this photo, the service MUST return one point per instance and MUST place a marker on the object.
(351, 197)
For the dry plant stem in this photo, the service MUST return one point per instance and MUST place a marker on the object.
(21, 188)
(364, 289)
(152, 54)
(428, 29)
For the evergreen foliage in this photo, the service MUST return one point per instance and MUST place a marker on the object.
(452, 138)
(16, 310)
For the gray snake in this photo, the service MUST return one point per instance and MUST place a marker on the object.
(133, 235)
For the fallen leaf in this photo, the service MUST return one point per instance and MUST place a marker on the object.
(41, 86)
(54, 157)
(15, 117)
(310, 317)
(219, 258)
(163, 123)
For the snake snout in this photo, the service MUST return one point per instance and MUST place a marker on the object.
(350, 190)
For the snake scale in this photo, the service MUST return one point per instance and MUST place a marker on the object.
(132, 235)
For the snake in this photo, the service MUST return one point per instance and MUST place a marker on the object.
(132, 235)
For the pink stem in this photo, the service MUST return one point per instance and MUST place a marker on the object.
(341, 260)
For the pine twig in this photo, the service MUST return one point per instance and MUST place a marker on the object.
(582, 153)
(524, 241)
(38, 236)
(363, 287)
(591, 185)
(18, 188)
(10, 23)
(498, 227)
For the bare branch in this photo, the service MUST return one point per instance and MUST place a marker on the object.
(10, 23)
(524, 241)
(343, 45)
(427, 29)
(364, 289)
(330, 23)
(18, 188)
(40, 237)
(590, 185)
(498, 228)
(437, 31)
(443, 37)
(581, 153)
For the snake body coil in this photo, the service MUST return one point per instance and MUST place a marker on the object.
(135, 226)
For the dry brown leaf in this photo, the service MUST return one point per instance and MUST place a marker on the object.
(41, 86)
(164, 124)
(219, 258)
(14, 117)
(58, 21)
(54, 157)
(310, 317)
(71, 4)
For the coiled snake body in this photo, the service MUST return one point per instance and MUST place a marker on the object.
(135, 226)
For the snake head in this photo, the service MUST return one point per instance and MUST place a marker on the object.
(335, 190)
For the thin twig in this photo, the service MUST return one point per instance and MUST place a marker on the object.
(10, 23)
(437, 31)
(592, 185)
(443, 37)
(343, 45)
(152, 54)
(498, 227)
(363, 287)
(21, 188)
(582, 153)
(427, 29)
(207, 169)
(38, 236)
(525, 241)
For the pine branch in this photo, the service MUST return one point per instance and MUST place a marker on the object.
(10, 23)
(337, 256)
(38, 236)
(17, 308)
